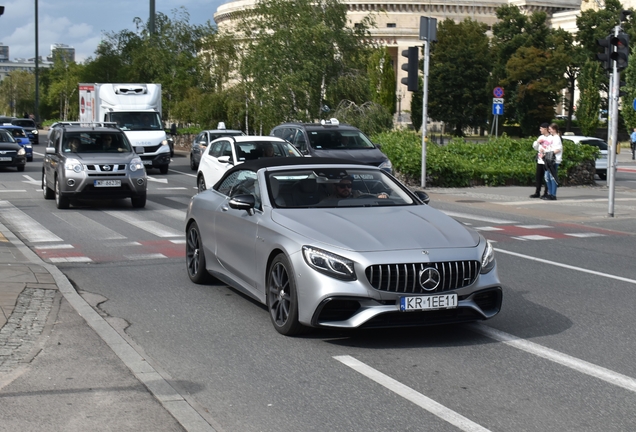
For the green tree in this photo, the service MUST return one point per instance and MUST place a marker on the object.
(459, 73)
(17, 93)
(382, 79)
(590, 99)
(294, 55)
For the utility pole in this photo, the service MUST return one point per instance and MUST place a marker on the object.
(37, 69)
(151, 19)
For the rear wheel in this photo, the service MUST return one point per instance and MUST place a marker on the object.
(195, 258)
(60, 201)
(193, 166)
(201, 183)
(163, 169)
(139, 201)
(20, 168)
(46, 191)
(282, 297)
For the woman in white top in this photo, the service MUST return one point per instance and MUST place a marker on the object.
(552, 168)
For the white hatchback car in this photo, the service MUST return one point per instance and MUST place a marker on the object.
(226, 152)
(601, 163)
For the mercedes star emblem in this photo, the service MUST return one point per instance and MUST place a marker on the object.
(429, 278)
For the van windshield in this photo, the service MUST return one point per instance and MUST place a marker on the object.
(137, 120)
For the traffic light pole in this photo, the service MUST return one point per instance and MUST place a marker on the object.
(425, 110)
(612, 136)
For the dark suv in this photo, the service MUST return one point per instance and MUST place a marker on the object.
(331, 138)
(92, 162)
(29, 127)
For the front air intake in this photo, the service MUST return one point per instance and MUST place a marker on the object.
(131, 89)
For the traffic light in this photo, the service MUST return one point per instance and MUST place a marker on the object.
(604, 57)
(411, 68)
(619, 50)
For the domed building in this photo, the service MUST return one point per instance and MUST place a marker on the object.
(398, 21)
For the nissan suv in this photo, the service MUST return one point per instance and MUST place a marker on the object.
(92, 162)
(333, 139)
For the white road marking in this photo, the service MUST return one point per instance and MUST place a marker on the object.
(82, 223)
(488, 228)
(57, 246)
(534, 237)
(152, 227)
(584, 270)
(157, 180)
(182, 241)
(25, 225)
(579, 365)
(31, 180)
(70, 259)
(172, 188)
(408, 393)
(582, 235)
(480, 218)
(12, 190)
(534, 226)
(145, 256)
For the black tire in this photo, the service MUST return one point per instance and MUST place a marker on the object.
(30, 159)
(201, 183)
(20, 168)
(47, 191)
(195, 258)
(603, 176)
(163, 169)
(139, 201)
(61, 202)
(282, 297)
(193, 166)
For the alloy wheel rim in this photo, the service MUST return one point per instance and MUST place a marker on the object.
(193, 252)
(279, 294)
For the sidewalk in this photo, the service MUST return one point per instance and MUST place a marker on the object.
(64, 368)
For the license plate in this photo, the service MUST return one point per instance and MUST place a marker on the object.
(431, 302)
(5, 159)
(107, 183)
(147, 162)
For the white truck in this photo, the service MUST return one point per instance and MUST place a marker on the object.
(136, 108)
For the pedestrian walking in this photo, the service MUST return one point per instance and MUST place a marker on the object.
(540, 145)
(552, 158)
(633, 143)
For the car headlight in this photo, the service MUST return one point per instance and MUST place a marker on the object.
(74, 165)
(21, 152)
(35, 132)
(387, 165)
(164, 142)
(136, 164)
(330, 264)
(488, 258)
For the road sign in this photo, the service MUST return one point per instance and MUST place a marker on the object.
(497, 109)
(634, 104)
(498, 101)
(498, 92)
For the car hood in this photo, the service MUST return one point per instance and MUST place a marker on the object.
(379, 228)
(371, 156)
(9, 146)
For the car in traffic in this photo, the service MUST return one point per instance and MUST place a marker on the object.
(20, 136)
(330, 138)
(12, 154)
(29, 127)
(601, 162)
(229, 151)
(201, 141)
(92, 162)
(280, 231)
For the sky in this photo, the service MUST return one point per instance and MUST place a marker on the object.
(81, 24)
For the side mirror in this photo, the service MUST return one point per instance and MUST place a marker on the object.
(203, 143)
(50, 150)
(139, 149)
(224, 159)
(423, 196)
(243, 202)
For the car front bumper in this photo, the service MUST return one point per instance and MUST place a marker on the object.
(84, 185)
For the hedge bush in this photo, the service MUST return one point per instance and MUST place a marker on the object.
(496, 162)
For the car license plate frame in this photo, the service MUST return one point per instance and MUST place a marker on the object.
(5, 159)
(147, 162)
(107, 183)
(428, 302)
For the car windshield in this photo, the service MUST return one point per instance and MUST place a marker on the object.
(137, 120)
(96, 142)
(327, 139)
(258, 149)
(6, 137)
(335, 187)
(24, 123)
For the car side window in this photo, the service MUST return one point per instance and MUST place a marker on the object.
(299, 140)
(215, 150)
(226, 149)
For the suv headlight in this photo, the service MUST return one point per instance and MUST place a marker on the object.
(22, 151)
(136, 164)
(488, 258)
(35, 132)
(330, 264)
(164, 142)
(74, 165)
(387, 166)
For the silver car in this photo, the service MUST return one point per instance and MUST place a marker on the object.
(327, 243)
(601, 162)
(91, 163)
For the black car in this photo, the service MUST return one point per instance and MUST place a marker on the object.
(29, 127)
(12, 154)
(204, 138)
(333, 139)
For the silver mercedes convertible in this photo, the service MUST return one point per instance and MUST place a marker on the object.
(327, 243)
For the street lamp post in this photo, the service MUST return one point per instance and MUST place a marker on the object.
(37, 69)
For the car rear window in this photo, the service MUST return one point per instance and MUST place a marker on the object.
(24, 123)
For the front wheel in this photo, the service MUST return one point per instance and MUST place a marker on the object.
(46, 190)
(139, 201)
(195, 258)
(20, 168)
(193, 165)
(163, 169)
(61, 202)
(282, 297)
